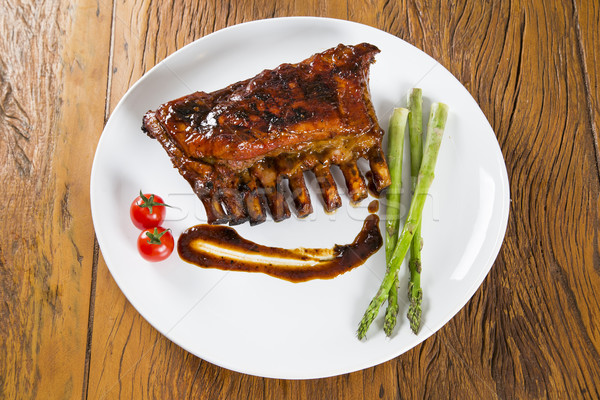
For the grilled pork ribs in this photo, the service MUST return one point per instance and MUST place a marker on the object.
(235, 146)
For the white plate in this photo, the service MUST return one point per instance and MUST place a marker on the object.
(264, 326)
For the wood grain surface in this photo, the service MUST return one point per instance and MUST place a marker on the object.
(529, 332)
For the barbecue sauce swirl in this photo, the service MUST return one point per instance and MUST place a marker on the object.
(221, 247)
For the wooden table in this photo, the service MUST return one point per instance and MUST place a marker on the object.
(530, 331)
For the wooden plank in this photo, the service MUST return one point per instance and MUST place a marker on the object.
(47, 72)
(587, 13)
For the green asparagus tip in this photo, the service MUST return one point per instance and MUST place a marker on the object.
(368, 318)
(364, 325)
(414, 311)
(392, 309)
(390, 319)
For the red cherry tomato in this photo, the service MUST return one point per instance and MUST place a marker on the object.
(147, 211)
(155, 244)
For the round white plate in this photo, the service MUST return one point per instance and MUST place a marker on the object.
(260, 325)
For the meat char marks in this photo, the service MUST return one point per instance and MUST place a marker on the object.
(236, 146)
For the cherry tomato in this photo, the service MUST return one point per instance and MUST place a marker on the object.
(155, 244)
(147, 211)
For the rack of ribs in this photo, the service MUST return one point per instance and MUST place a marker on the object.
(237, 146)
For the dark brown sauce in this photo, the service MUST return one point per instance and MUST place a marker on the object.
(373, 206)
(201, 245)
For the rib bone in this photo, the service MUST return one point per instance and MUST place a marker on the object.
(357, 189)
(214, 211)
(329, 191)
(300, 194)
(253, 200)
(233, 201)
(271, 183)
(379, 168)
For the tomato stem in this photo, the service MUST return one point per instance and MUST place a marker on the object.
(149, 202)
(154, 237)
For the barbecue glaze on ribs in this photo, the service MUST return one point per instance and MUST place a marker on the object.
(235, 146)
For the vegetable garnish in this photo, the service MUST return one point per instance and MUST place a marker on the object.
(148, 211)
(396, 151)
(435, 131)
(155, 244)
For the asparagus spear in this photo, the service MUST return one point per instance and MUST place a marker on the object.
(415, 293)
(415, 126)
(395, 153)
(435, 131)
